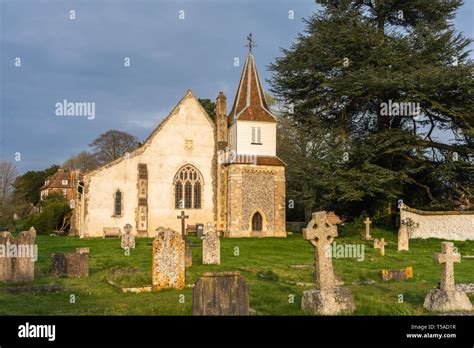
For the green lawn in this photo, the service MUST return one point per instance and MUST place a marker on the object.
(265, 264)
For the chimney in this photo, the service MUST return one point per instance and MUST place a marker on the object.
(221, 120)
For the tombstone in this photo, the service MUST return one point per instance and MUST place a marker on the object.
(396, 274)
(447, 298)
(403, 238)
(367, 223)
(32, 231)
(188, 253)
(17, 257)
(6, 262)
(380, 244)
(328, 298)
(223, 293)
(72, 265)
(127, 238)
(211, 247)
(168, 267)
(199, 230)
(83, 250)
(24, 268)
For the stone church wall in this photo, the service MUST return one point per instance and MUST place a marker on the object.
(450, 225)
(251, 189)
(185, 137)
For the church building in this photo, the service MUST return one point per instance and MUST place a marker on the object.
(225, 172)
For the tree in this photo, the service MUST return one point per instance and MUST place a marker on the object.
(209, 106)
(112, 145)
(83, 161)
(8, 173)
(356, 57)
(28, 186)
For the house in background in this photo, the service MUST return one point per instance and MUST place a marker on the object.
(64, 183)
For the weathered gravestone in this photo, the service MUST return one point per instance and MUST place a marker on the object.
(447, 298)
(396, 274)
(403, 238)
(168, 267)
(367, 223)
(74, 265)
(380, 244)
(32, 231)
(188, 253)
(328, 298)
(17, 257)
(127, 238)
(223, 293)
(211, 247)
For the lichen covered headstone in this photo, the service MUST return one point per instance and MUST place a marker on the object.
(328, 298)
(127, 238)
(447, 298)
(211, 247)
(168, 260)
(222, 293)
(73, 265)
(396, 274)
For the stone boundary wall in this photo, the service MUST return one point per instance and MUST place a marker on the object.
(450, 225)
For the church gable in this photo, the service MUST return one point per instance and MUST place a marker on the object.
(140, 188)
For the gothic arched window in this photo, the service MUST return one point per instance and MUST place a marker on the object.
(187, 188)
(257, 222)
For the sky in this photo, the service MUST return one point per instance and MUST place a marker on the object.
(173, 46)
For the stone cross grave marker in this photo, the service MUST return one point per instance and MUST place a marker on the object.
(188, 253)
(168, 268)
(320, 234)
(380, 244)
(367, 223)
(183, 218)
(447, 259)
(447, 298)
(211, 246)
(328, 298)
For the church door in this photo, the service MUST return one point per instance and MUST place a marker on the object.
(257, 222)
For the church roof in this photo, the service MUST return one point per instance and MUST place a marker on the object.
(249, 103)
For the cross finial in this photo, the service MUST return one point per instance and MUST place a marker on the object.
(251, 43)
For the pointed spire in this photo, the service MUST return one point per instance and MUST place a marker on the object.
(249, 103)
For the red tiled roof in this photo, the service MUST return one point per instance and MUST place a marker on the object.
(250, 103)
(55, 180)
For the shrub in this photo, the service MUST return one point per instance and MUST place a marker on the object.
(54, 216)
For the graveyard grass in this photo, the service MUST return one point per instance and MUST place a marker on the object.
(267, 265)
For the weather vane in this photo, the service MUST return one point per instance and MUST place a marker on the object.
(251, 43)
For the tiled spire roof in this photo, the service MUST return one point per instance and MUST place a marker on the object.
(249, 103)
